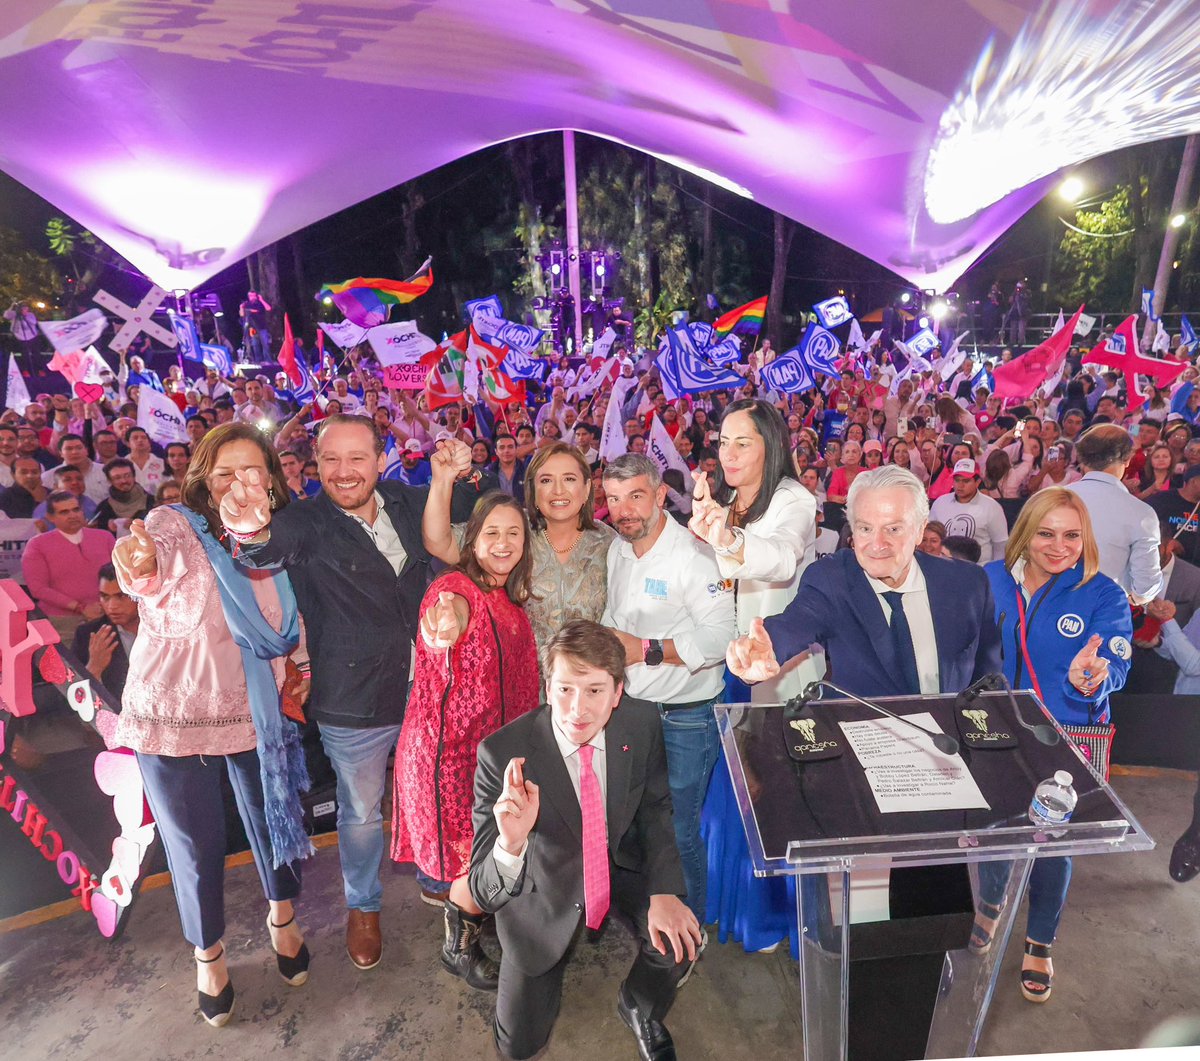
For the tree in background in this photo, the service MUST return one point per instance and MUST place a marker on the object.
(1096, 265)
(26, 275)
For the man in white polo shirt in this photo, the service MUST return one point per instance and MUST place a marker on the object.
(673, 613)
(971, 514)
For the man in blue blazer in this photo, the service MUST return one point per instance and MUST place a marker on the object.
(946, 636)
(893, 622)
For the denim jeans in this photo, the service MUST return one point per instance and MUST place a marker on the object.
(691, 743)
(359, 758)
(1048, 884)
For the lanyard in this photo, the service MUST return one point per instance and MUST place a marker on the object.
(1021, 630)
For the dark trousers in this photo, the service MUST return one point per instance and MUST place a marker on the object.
(184, 793)
(527, 1006)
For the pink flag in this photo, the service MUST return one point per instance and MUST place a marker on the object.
(1023, 375)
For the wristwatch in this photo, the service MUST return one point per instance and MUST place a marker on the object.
(652, 652)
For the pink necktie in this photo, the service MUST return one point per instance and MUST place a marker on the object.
(595, 841)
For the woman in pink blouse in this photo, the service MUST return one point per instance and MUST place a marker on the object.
(203, 695)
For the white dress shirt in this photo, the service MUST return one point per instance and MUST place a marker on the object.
(1127, 533)
(384, 535)
(674, 592)
(510, 866)
(920, 624)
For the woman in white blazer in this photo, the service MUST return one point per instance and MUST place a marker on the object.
(762, 525)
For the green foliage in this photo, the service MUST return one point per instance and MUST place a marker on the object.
(24, 274)
(61, 235)
(1096, 267)
(651, 321)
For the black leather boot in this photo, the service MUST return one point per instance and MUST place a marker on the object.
(461, 953)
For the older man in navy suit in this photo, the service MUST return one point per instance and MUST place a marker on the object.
(893, 621)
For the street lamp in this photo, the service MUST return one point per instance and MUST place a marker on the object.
(1071, 190)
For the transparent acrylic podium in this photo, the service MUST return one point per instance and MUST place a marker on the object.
(818, 821)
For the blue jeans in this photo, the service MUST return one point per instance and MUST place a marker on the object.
(1048, 884)
(359, 758)
(691, 743)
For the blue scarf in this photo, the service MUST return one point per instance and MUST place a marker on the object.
(281, 759)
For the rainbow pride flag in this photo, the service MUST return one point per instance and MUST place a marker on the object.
(367, 301)
(745, 320)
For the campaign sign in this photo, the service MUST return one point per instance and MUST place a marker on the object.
(923, 342)
(833, 311)
(405, 377)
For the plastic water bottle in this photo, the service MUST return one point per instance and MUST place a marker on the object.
(1053, 801)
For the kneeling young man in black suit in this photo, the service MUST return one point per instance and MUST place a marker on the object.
(572, 815)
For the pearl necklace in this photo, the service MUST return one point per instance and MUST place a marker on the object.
(563, 552)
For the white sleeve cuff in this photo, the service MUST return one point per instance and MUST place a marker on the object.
(510, 866)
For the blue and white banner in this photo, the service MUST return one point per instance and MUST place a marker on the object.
(1148, 303)
(217, 358)
(185, 335)
(819, 349)
(702, 334)
(684, 370)
(521, 366)
(923, 342)
(189, 345)
(1187, 333)
(487, 315)
(392, 458)
(787, 374)
(833, 311)
(727, 352)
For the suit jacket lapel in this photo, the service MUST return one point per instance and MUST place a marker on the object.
(617, 768)
(946, 609)
(554, 780)
(867, 608)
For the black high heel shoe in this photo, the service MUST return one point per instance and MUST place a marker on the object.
(294, 970)
(216, 1009)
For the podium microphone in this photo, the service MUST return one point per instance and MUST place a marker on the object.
(944, 743)
(1043, 731)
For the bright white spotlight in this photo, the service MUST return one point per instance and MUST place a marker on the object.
(906, 298)
(1179, 220)
(938, 309)
(922, 322)
(555, 269)
(1071, 190)
(265, 425)
(328, 300)
(600, 269)
(1069, 85)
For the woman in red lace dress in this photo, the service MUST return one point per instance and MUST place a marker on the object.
(476, 670)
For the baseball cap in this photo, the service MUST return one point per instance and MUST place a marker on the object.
(873, 446)
(412, 446)
(966, 467)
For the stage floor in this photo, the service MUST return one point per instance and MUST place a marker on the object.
(1127, 959)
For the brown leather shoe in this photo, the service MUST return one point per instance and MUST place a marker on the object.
(363, 941)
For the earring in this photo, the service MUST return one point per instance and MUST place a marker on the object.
(271, 496)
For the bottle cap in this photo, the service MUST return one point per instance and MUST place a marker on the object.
(1062, 777)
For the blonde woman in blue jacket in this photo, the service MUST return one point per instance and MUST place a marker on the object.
(1065, 632)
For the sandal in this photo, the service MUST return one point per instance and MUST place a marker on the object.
(216, 1009)
(981, 938)
(1035, 984)
(294, 970)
